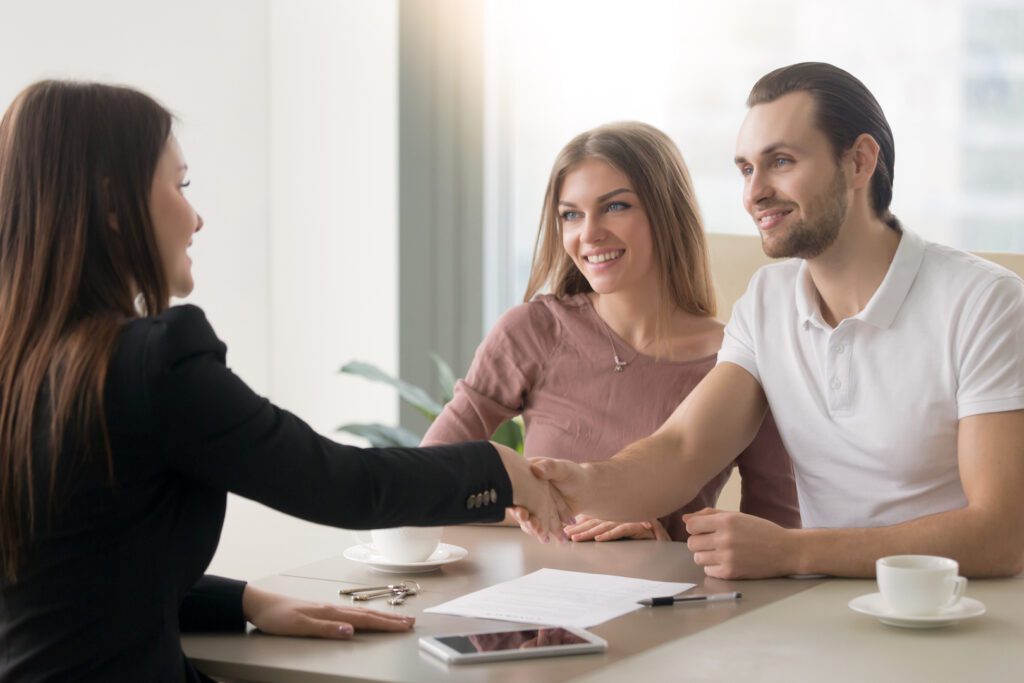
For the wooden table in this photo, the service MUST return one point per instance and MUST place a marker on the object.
(782, 630)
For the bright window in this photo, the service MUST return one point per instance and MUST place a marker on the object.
(948, 73)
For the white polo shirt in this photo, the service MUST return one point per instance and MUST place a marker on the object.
(869, 410)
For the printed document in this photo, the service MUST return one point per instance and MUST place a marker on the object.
(559, 598)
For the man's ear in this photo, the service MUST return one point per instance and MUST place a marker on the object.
(862, 159)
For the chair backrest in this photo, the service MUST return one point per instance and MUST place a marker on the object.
(734, 258)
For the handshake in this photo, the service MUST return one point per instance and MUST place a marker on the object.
(547, 494)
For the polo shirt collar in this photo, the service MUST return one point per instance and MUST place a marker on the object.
(885, 303)
(807, 307)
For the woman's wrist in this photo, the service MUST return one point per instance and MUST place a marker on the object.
(253, 601)
(507, 455)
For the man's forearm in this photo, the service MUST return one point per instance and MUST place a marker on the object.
(985, 544)
(659, 474)
(646, 480)
(655, 475)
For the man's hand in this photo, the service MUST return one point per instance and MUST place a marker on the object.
(732, 545)
(591, 529)
(280, 615)
(567, 481)
(540, 509)
(568, 477)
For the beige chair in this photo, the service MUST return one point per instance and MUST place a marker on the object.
(734, 258)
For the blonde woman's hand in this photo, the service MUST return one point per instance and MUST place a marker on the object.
(591, 529)
(281, 615)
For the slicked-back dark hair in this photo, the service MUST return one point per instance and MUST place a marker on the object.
(844, 110)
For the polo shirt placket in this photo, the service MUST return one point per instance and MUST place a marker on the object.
(836, 347)
(838, 365)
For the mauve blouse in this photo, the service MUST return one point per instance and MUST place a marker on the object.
(551, 360)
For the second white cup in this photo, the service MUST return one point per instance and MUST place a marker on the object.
(919, 585)
(406, 543)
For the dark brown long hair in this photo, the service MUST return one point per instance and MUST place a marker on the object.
(844, 109)
(659, 176)
(78, 257)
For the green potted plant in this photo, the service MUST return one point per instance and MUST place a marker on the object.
(509, 433)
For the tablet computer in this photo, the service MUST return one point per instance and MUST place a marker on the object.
(552, 641)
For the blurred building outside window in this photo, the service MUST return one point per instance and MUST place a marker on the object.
(949, 75)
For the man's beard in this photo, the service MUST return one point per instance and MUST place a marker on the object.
(807, 239)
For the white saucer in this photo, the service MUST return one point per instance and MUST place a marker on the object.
(367, 554)
(875, 605)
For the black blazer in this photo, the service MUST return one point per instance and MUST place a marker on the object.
(108, 581)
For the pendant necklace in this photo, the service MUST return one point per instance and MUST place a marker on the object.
(620, 364)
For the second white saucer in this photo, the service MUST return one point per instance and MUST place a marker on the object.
(368, 555)
(875, 605)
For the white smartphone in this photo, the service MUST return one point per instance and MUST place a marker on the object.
(553, 641)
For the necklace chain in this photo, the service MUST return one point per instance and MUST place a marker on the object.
(620, 364)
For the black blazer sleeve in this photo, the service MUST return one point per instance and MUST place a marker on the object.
(214, 604)
(215, 429)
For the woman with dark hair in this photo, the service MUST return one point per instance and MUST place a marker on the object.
(122, 429)
(627, 330)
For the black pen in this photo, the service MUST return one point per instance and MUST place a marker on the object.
(673, 599)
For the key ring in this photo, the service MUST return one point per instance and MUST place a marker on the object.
(404, 584)
(399, 598)
(398, 592)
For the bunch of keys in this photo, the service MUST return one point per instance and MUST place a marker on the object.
(396, 592)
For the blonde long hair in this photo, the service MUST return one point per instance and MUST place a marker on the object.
(658, 174)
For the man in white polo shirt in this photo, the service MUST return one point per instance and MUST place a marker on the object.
(894, 367)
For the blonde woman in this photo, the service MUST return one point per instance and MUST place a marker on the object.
(627, 331)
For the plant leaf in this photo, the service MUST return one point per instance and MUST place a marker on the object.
(382, 436)
(509, 434)
(410, 393)
(445, 376)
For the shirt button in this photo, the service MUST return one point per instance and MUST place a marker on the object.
(469, 502)
(494, 496)
(836, 384)
(840, 348)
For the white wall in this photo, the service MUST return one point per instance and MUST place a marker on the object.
(212, 74)
(333, 252)
(287, 118)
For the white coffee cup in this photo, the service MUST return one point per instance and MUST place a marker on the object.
(406, 543)
(919, 585)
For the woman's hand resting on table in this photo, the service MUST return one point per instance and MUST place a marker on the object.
(591, 529)
(281, 615)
